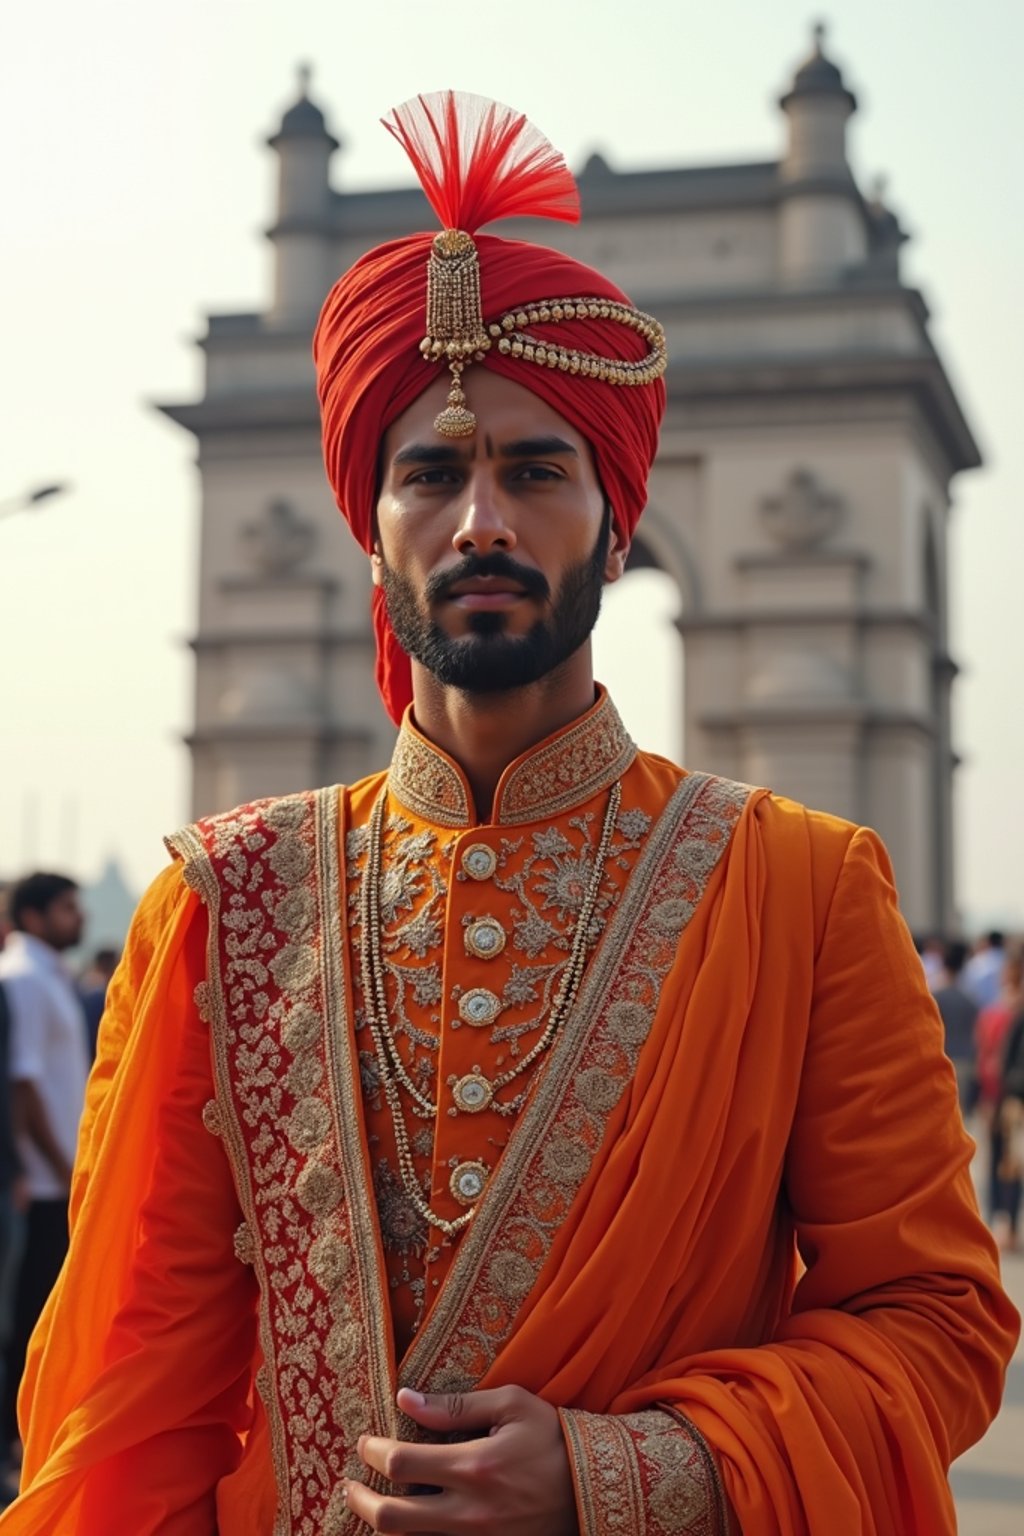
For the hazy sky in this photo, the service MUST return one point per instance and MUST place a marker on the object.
(134, 188)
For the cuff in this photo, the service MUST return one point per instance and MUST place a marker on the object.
(642, 1474)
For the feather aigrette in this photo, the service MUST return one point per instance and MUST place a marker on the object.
(479, 161)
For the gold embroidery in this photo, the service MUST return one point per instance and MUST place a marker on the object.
(546, 873)
(318, 1188)
(245, 1245)
(329, 1260)
(511, 1275)
(564, 1159)
(629, 1023)
(301, 1029)
(578, 764)
(338, 1518)
(344, 1345)
(426, 782)
(305, 1074)
(269, 877)
(211, 1117)
(646, 1474)
(309, 1123)
(295, 913)
(608, 1491)
(600, 1091)
(294, 967)
(536, 1180)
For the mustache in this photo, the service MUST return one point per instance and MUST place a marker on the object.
(533, 582)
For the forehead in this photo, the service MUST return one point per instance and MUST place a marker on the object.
(505, 412)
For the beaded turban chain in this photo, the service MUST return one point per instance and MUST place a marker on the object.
(409, 310)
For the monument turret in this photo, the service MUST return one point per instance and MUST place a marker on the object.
(822, 226)
(301, 235)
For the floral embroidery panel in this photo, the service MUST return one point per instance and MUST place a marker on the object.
(540, 875)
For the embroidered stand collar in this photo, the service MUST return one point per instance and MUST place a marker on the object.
(561, 772)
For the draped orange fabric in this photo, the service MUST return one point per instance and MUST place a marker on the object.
(777, 1235)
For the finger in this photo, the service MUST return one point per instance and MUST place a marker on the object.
(402, 1462)
(466, 1412)
(394, 1516)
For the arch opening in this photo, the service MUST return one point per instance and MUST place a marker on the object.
(638, 654)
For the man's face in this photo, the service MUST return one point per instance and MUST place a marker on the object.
(60, 925)
(493, 549)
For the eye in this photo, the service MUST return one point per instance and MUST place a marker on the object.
(437, 476)
(537, 472)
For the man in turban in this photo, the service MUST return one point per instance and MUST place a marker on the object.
(535, 1137)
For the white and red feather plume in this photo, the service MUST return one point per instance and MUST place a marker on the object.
(479, 161)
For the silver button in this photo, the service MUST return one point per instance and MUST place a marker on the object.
(479, 1007)
(467, 1182)
(472, 1093)
(485, 938)
(479, 862)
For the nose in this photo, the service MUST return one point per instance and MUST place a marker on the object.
(484, 525)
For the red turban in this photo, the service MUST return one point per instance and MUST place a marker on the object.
(370, 369)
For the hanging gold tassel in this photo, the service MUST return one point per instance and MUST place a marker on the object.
(455, 322)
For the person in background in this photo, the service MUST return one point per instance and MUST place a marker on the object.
(92, 989)
(13, 1199)
(1009, 1170)
(48, 1066)
(932, 950)
(983, 971)
(992, 1029)
(1000, 1057)
(959, 1015)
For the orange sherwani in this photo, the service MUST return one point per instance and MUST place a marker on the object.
(730, 1230)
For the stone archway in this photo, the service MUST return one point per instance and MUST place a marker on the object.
(638, 649)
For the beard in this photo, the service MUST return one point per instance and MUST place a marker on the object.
(488, 659)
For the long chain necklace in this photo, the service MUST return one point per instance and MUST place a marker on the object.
(375, 1005)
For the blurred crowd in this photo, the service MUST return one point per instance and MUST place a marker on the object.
(979, 991)
(49, 1019)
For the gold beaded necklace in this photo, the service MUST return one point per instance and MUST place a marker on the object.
(375, 1006)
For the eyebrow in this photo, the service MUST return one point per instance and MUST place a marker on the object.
(440, 454)
(537, 448)
(427, 453)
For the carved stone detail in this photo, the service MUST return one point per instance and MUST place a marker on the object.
(279, 540)
(804, 514)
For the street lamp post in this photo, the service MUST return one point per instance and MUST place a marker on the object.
(29, 499)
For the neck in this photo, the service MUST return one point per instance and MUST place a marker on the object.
(484, 732)
(38, 938)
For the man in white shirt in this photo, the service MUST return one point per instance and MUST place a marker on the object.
(48, 1065)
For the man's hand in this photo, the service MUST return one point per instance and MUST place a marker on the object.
(511, 1478)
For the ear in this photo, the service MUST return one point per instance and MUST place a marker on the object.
(377, 567)
(615, 560)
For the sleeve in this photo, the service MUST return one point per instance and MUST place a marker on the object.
(649, 1473)
(25, 1050)
(137, 1393)
(890, 1361)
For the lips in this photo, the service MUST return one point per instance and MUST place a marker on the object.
(491, 586)
(480, 594)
